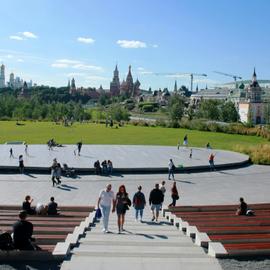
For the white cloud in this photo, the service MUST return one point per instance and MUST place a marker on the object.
(87, 67)
(86, 40)
(16, 37)
(155, 46)
(75, 64)
(59, 65)
(75, 74)
(131, 44)
(68, 61)
(140, 68)
(97, 78)
(20, 60)
(29, 34)
(9, 56)
(146, 72)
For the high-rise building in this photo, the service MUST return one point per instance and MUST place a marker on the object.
(2, 76)
(115, 84)
(11, 81)
(72, 88)
(175, 86)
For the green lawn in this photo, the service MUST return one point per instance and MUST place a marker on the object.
(41, 132)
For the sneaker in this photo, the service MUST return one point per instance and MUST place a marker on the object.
(104, 230)
(153, 218)
(107, 231)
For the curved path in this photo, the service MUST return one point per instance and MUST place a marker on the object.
(125, 158)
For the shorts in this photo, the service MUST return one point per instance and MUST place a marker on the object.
(156, 207)
(121, 210)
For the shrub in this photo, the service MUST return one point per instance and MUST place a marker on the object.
(258, 154)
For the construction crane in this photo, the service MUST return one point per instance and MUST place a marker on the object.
(235, 77)
(176, 74)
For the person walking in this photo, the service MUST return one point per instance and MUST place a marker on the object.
(122, 205)
(11, 153)
(21, 164)
(58, 173)
(171, 168)
(79, 146)
(162, 187)
(185, 141)
(26, 148)
(211, 162)
(174, 194)
(156, 199)
(54, 172)
(190, 154)
(106, 199)
(139, 203)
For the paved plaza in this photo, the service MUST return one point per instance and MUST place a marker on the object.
(221, 187)
(122, 156)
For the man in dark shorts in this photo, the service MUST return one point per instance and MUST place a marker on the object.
(22, 233)
(155, 200)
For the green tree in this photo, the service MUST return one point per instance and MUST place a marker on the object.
(176, 108)
(228, 112)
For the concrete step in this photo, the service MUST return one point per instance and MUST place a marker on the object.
(131, 250)
(146, 263)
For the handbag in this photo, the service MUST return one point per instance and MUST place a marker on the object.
(98, 214)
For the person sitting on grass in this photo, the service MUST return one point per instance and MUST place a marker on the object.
(52, 207)
(26, 205)
(22, 233)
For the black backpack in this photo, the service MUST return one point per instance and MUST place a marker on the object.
(6, 242)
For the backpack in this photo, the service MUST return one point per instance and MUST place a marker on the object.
(6, 242)
(138, 200)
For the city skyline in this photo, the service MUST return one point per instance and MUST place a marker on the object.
(53, 42)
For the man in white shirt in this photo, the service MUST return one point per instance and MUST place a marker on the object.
(162, 187)
(105, 200)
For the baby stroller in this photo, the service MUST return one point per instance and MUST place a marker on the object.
(68, 172)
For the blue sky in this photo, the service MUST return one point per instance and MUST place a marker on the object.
(53, 40)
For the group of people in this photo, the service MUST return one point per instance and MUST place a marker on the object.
(103, 168)
(108, 202)
(22, 238)
(50, 209)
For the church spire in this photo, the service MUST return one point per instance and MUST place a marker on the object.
(254, 77)
(175, 86)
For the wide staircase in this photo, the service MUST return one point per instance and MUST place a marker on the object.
(48, 230)
(224, 233)
(143, 245)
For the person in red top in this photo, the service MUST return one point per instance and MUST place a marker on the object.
(211, 162)
(174, 194)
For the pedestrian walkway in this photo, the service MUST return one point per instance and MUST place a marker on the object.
(146, 245)
(125, 158)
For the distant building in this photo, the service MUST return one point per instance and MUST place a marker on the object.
(128, 88)
(12, 81)
(72, 89)
(24, 91)
(251, 106)
(2, 76)
(115, 83)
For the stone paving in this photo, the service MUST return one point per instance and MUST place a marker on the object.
(122, 156)
(221, 187)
